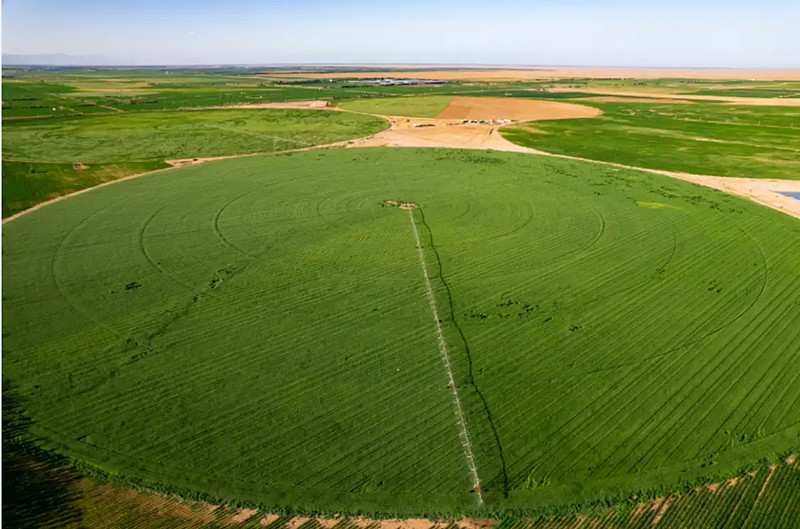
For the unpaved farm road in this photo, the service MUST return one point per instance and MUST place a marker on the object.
(455, 134)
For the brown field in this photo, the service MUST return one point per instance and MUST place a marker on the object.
(489, 73)
(517, 109)
(439, 133)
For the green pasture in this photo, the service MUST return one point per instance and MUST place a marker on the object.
(719, 87)
(150, 136)
(259, 330)
(26, 184)
(417, 107)
(77, 92)
(43, 157)
(712, 139)
(749, 92)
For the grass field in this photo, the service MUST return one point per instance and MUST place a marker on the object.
(749, 92)
(30, 93)
(41, 155)
(608, 331)
(418, 107)
(26, 184)
(712, 139)
(150, 136)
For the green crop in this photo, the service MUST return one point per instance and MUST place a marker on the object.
(150, 136)
(712, 139)
(420, 107)
(258, 330)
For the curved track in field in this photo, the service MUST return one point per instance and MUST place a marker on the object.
(623, 331)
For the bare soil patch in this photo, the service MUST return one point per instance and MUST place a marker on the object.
(242, 515)
(297, 521)
(408, 523)
(662, 510)
(440, 133)
(268, 519)
(314, 103)
(495, 108)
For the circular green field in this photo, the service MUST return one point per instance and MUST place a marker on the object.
(262, 329)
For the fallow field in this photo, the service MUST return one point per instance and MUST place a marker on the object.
(530, 333)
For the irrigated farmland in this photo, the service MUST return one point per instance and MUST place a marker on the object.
(700, 138)
(564, 332)
(159, 135)
(46, 158)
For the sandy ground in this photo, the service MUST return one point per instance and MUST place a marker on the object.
(560, 72)
(668, 98)
(488, 108)
(763, 191)
(449, 130)
(439, 133)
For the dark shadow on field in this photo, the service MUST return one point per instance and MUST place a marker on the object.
(451, 317)
(36, 484)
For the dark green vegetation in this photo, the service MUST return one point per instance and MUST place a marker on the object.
(84, 151)
(712, 139)
(610, 331)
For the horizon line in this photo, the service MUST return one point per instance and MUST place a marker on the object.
(381, 64)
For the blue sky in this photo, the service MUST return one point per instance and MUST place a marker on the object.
(680, 33)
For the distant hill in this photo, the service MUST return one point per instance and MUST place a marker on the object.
(57, 59)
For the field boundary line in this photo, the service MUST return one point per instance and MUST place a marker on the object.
(466, 443)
